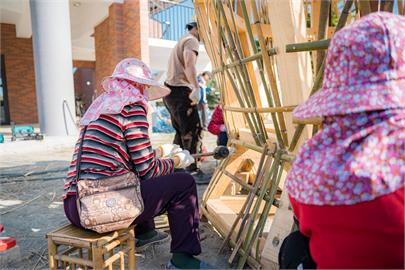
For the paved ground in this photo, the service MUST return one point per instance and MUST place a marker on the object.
(31, 179)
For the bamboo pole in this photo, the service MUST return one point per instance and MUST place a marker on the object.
(266, 210)
(249, 238)
(278, 122)
(308, 46)
(401, 7)
(285, 156)
(323, 25)
(251, 123)
(259, 110)
(312, 121)
(254, 125)
(289, 48)
(249, 199)
(256, 191)
(248, 88)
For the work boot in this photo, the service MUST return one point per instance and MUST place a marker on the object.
(200, 177)
(158, 239)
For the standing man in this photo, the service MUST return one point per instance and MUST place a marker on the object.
(202, 104)
(185, 93)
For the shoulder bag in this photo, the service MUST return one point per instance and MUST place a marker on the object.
(109, 203)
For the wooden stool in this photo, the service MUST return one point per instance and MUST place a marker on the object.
(68, 244)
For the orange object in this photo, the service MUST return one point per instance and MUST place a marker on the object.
(7, 243)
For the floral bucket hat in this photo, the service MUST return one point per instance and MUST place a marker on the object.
(132, 69)
(365, 69)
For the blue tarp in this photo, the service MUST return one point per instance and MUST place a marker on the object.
(161, 122)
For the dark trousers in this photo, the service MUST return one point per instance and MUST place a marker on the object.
(203, 109)
(185, 120)
(222, 139)
(175, 194)
(294, 252)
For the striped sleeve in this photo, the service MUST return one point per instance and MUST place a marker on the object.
(135, 129)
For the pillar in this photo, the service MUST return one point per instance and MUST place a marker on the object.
(53, 66)
(125, 33)
(136, 29)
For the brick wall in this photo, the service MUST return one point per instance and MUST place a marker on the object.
(123, 34)
(20, 74)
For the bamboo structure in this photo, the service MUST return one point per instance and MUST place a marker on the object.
(265, 61)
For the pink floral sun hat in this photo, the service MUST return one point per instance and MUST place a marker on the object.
(120, 91)
(134, 70)
(365, 69)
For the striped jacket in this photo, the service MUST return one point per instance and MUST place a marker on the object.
(111, 142)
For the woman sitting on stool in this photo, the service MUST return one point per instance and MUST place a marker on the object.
(116, 138)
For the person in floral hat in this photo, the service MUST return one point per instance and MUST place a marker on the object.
(346, 185)
(116, 139)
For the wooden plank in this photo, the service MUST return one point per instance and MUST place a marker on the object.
(294, 70)
(280, 228)
(225, 213)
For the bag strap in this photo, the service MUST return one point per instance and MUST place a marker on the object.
(79, 154)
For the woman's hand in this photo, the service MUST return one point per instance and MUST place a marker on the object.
(167, 150)
(183, 159)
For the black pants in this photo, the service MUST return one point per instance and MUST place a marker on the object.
(222, 139)
(185, 120)
(294, 252)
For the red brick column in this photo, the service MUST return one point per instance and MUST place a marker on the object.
(123, 34)
(136, 29)
(108, 43)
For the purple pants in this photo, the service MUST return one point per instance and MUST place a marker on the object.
(175, 194)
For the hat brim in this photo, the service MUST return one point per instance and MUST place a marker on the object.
(153, 91)
(371, 96)
(156, 91)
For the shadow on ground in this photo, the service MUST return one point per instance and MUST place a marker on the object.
(31, 205)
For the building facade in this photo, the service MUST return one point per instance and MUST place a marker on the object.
(102, 33)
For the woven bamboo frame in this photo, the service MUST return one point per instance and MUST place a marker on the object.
(242, 51)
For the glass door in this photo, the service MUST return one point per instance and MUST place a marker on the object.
(4, 109)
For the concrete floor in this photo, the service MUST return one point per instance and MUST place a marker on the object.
(31, 178)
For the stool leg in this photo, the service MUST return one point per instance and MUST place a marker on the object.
(97, 258)
(52, 250)
(90, 254)
(131, 250)
(122, 261)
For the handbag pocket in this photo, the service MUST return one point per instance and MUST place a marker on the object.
(109, 204)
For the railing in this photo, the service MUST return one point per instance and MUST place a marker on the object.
(169, 23)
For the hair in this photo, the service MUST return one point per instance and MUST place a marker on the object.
(191, 25)
(206, 73)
